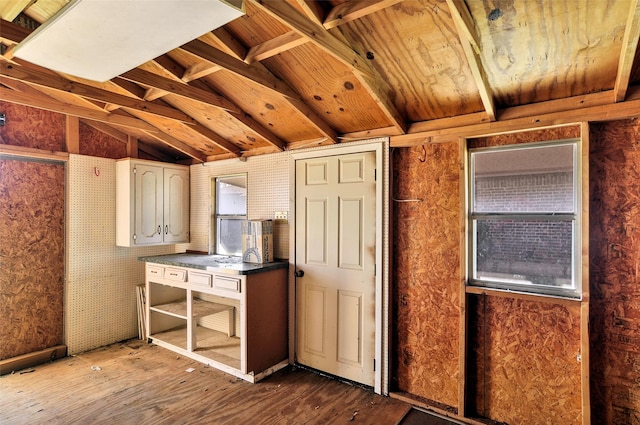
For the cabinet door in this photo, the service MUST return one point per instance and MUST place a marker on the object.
(176, 205)
(148, 204)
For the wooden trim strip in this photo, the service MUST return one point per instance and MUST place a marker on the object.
(19, 151)
(31, 359)
(476, 290)
(464, 316)
(607, 112)
(72, 134)
(584, 306)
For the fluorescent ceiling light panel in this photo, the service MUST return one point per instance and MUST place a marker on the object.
(101, 39)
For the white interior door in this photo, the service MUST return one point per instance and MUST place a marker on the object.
(335, 249)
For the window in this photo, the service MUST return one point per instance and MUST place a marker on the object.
(230, 211)
(524, 221)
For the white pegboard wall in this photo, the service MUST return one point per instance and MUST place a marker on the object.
(100, 299)
(267, 192)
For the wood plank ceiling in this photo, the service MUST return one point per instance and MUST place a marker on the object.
(299, 73)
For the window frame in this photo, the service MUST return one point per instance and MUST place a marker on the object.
(218, 217)
(575, 217)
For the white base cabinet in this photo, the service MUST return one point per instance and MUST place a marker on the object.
(235, 323)
(152, 203)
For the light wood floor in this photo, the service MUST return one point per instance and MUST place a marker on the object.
(137, 383)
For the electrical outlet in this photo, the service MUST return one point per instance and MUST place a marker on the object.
(281, 215)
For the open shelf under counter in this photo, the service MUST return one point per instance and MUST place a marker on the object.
(200, 308)
(186, 313)
(213, 345)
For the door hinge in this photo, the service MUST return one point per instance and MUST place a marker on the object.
(135, 170)
(375, 174)
(374, 365)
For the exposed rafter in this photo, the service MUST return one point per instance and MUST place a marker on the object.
(463, 21)
(629, 48)
(355, 9)
(171, 69)
(31, 74)
(320, 37)
(221, 38)
(257, 74)
(151, 80)
(40, 101)
(274, 46)
(312, 10)
(178, 145)
(250, 73)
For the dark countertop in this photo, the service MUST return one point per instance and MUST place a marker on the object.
(215, 263)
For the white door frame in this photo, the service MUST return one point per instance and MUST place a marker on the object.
(381, 385)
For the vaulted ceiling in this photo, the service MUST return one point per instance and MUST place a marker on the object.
(300, 73)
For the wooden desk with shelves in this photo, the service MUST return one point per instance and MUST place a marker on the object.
(231, 318)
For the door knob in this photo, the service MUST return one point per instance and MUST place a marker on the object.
(299, 273)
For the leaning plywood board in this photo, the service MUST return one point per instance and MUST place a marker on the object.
(32, 228)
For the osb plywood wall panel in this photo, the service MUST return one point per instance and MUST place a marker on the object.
(101, 277)
(32, 128)
(96, 143)
(31, 256)
(558, 133)
(615, 262)
(426, 271)
(523, 365)
(522, 360)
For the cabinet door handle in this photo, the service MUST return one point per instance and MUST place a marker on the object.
(159, 230)
(166, 229)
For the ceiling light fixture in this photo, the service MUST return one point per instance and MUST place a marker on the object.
(99, 39)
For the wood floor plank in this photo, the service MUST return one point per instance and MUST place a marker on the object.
(138, 383)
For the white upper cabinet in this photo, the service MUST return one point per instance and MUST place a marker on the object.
(152, 203)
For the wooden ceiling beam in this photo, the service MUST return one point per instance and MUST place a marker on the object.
(49, 104)
(9, 10)
(150, 150)
(178, 145)
(12, 33)
(375, 85)
(463, 22)
(250, 73)
(217, 139)
(256, 127)
(199, 70)
(151, 80)
(30, 74)
(460, 13)
(174, 71)
(258, 74)
(279, 44)
(629, 48)
(50, 94)
(222, 39)
(355, 9)
(287, 15)
(312, 10)
(107, 129)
